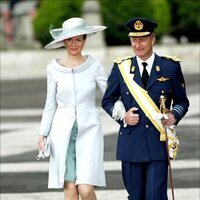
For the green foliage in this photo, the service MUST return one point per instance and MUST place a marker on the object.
(51, 14)
(162, 15)
(175, 17)
(186, 19)
(116, 14)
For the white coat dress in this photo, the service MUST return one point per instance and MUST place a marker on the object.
(71, 95)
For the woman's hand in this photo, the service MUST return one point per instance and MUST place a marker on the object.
(41, 143)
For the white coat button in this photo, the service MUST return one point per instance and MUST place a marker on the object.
(147, 126)
(120, 133)
(127, 92)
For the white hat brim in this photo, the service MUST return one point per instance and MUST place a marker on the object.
(62, 35)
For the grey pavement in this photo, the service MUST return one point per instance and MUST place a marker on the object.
(23, 90)
(180, 194)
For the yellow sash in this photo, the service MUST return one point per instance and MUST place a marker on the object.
(142, 98)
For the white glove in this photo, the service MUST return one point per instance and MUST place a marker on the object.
(118, 110)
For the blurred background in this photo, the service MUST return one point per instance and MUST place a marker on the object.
(24, 31)
(26, 23)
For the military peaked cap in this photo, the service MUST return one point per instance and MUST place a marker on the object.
(139, 27)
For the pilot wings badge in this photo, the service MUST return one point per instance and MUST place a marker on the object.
(163, 79)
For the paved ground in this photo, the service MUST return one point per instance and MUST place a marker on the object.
(24, 178)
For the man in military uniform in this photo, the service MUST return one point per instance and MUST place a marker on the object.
(144, 157)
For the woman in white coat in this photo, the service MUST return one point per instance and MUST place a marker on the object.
(70, 118)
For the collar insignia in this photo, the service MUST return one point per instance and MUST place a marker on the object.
(132, 69)
(157, 68)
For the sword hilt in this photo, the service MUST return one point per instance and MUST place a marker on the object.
(163, 108)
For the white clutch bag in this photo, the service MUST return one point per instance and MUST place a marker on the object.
(47, 149)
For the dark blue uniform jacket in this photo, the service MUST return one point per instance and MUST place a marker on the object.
(141, 143)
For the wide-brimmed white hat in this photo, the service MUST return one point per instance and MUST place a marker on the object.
(72, 27)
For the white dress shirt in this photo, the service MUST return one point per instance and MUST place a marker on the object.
(149, 62)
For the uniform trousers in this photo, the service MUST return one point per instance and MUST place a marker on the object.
(145, 180)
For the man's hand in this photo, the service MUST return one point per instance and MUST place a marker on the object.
(171, 120)
(130, 117)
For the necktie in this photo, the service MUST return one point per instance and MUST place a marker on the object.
(145, 75)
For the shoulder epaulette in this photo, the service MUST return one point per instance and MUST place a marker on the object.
(120, 60)
(174, 58)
